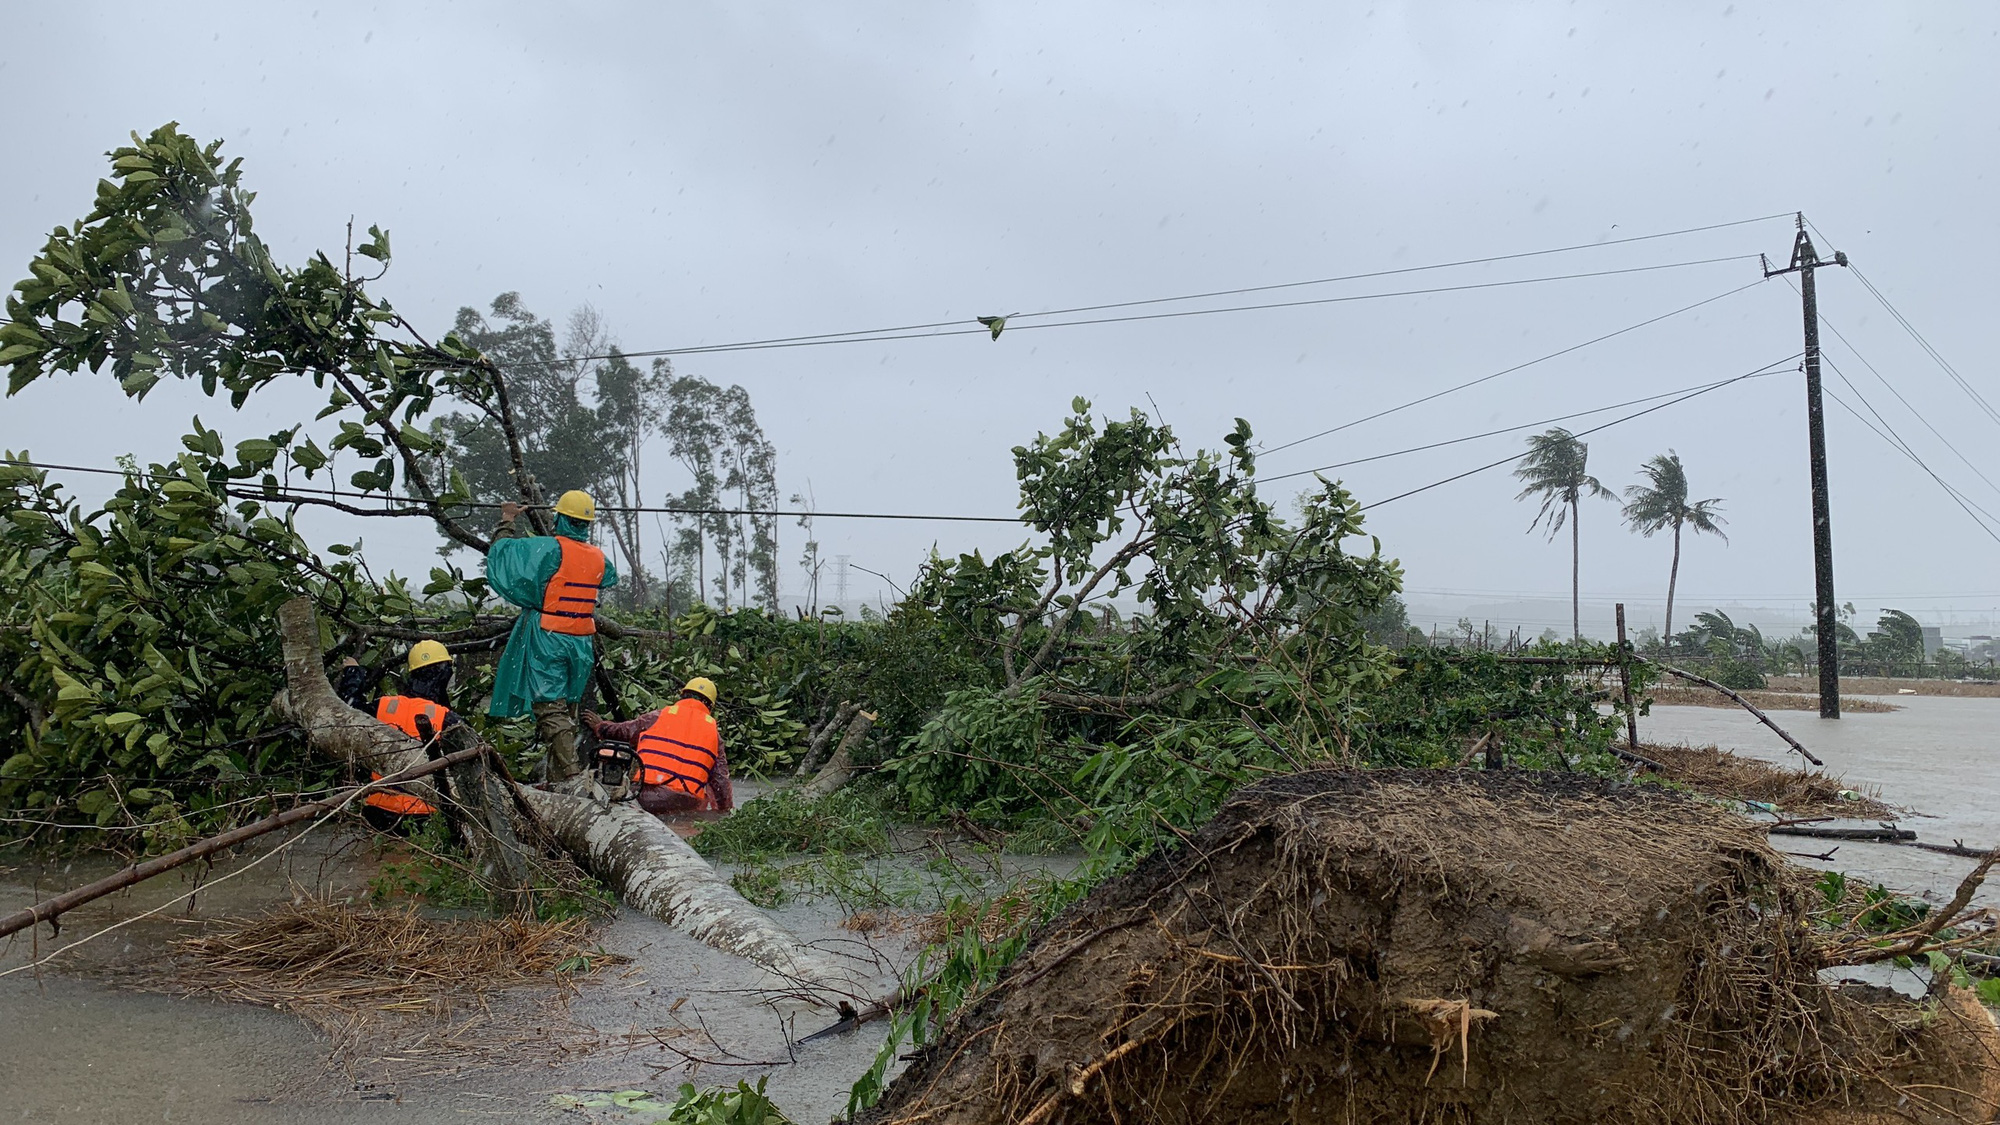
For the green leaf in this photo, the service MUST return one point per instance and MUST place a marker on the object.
(377, 246)
(139, 382)
(257, 451)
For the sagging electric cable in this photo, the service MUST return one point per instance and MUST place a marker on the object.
(296, 494)
(1752, 373)
(1896, 441)
(1511, 370)
(1922, 342)
(942, 329)
(1907, 405)
(896, 332)
(1523, 426)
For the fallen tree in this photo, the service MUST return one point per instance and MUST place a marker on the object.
(651, 868)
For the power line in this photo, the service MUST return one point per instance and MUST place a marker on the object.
(1888, 433)
(1752, 373)
(945, 328)
(258, 493)
(1895, 314)
(1647, 599)
(1409, 269)
(1963, 385)
(326, 496)
(1880, 378)
(307, 494)
(1896, 442)
(1522, 426)
(921, 329)
(1511, 370)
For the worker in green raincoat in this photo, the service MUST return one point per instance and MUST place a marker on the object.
(556, 580)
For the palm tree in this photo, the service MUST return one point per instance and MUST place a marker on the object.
(1663, 504)
(1554, 469)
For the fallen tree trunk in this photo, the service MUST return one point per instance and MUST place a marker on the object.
(481, 812)
(49, 909)
(1746, 705)
(653, 870)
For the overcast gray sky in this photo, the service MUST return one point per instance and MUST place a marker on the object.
(707, 173)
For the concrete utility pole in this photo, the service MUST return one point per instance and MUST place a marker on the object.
(1804, 261)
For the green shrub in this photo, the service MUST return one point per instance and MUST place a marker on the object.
(982, 754)
(786, 822)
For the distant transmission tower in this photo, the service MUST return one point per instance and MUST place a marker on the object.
(840, 581)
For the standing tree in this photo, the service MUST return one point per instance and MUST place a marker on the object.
(713, 432)
(1898, 638)
(1554, 469)
(1664, 503)
(631, 405)
(584, 414)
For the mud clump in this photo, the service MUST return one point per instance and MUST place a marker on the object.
(1391, 946)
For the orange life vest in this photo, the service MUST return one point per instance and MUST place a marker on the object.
(401, 712)
(680, 749)
(570, 598)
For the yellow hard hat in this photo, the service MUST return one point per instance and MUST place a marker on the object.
(577, 505)
(423, 654)
(702, 686)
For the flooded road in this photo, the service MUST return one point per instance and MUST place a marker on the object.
(1939, 756)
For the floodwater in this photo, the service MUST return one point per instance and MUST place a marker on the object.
(76, 1049)
(1938, 758)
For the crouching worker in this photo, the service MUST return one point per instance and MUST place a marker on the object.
(421, 713)
(682, 767)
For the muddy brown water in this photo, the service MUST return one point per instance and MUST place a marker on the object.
(75, 1049)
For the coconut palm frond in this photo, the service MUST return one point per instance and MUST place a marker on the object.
(1555, 469)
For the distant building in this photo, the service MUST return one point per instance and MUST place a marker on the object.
(1933, 640)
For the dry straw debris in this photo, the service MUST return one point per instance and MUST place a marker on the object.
(386, 980)
(1798, 792)
(1578, 950)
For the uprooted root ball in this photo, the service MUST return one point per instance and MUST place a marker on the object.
(1391, 946)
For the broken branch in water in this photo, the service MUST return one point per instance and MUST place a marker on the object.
(1747, 706)
(49, 909)
(1886, 834)
(1921, 938)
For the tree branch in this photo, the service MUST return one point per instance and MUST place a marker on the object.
(1081, 701)
(413, 471)
(1121, 557)
(531, 494)
(36, 716)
